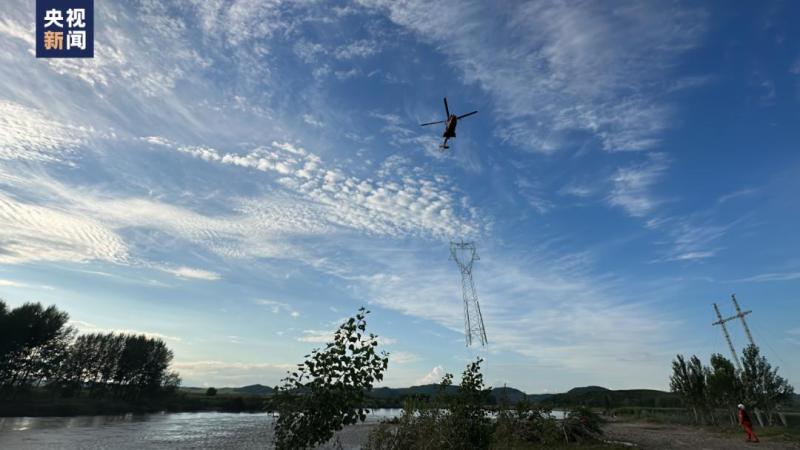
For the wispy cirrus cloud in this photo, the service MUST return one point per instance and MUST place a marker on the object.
(632, 185)
(193, 273)
(86, 327)
(230, 373)
(277, 307)
(11, 283)
(772, 276)
(569, 68)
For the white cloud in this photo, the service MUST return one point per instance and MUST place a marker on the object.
(737, 194)
(432, 377)
(30, 232)
(401, 202)
(546, 307)
(325, 336)
(277, 307)
(10, 283)
(632, 185)
(309, 119)
(86, 327)
(358, 49)
(316, 336)
(774, 276)
(401, 357)
(32, 134)
(563, 68)
(229, 373)
(693, 237)
(193, 273)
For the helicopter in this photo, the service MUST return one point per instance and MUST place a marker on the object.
(450, 124)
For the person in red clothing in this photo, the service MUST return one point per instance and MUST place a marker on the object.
(747, 424)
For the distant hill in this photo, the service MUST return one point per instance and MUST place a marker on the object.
(593, 396)
(253, 390)
(600, 397)
(510, 394)
(586, 390)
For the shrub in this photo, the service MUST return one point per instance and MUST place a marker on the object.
(326, 392)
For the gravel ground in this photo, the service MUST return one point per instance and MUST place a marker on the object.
(657, 437)
(351, 437)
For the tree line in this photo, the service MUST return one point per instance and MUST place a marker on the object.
(39, 349)
(708, 390)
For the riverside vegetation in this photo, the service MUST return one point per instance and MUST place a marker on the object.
(712, 393)
(43, 360)
(327, 392)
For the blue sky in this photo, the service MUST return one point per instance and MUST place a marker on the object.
(238, 176)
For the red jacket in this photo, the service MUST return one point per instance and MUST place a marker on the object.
(744, 418)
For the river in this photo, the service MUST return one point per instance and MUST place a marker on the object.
(198, 430)
(203, 430)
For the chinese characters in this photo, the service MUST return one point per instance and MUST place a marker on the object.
(64, 28)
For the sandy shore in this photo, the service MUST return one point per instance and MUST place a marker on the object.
(657, 437)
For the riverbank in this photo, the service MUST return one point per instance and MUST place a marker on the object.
(672, 436)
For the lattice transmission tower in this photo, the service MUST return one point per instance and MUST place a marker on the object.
(739, 315)
(465, 254)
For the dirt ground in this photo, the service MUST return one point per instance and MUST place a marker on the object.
(656, 437)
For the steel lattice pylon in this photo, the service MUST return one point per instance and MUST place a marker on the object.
(464, 254)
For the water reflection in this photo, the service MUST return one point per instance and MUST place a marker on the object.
(209, 430)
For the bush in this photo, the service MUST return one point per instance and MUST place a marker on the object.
(210, 392)
(461, 421)
(327, 390)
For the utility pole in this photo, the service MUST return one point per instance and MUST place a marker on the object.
(741, 315)
(465, 254)
(721, 323)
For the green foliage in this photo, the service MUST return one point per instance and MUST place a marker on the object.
(525, 424)
(471, 426)
(33, 344)
(688, 380)
(37, 347)
(461, 421)
(724, 388)
(210, 392)
(326, 392)
(763, 387)
(707, 389)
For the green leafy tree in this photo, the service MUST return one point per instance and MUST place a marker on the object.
(763, 388)
(724, 389)
(33, 344)
(210, 392)
(470, 424)
(688, 381)
(326, 392)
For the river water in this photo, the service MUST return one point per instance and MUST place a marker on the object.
(204, 430)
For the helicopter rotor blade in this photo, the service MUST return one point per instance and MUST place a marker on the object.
(431, 123)
(446, 109)
(468, 114)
